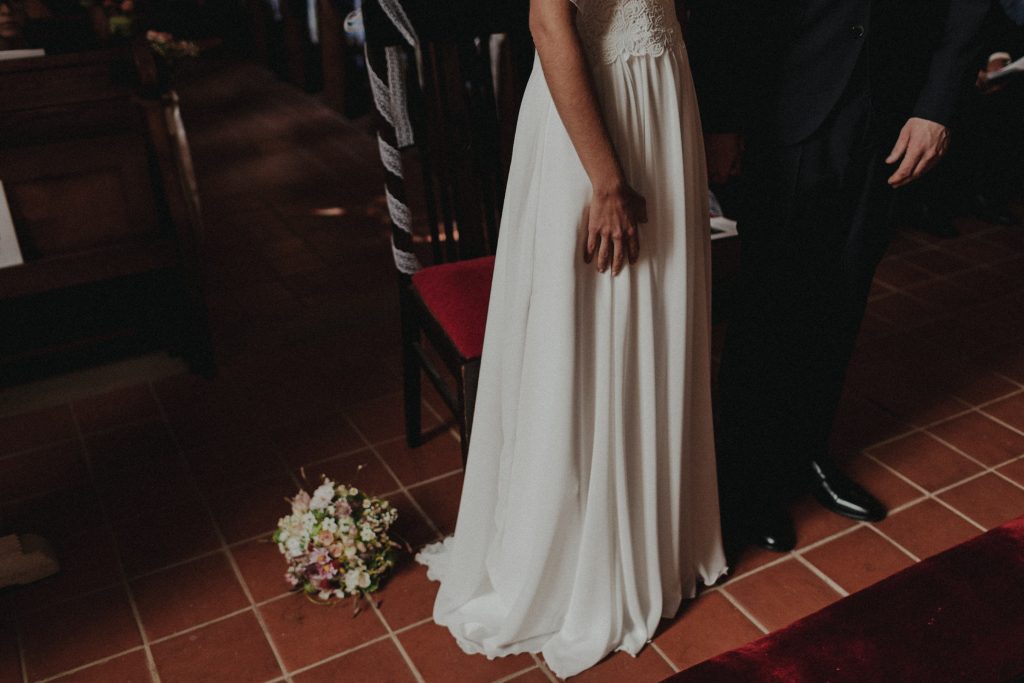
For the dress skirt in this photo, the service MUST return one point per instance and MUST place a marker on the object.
(590, 508)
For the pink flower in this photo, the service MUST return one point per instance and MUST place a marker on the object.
(325, 537)
(127, 5)
(319, 556)
(327, 571)
(342, 508)
(291, 579)
(337, 550)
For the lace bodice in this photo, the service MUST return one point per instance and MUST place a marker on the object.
(611, 29)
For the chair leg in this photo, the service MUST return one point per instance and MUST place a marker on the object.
(412, 379)
(413, 402)
(467, 403)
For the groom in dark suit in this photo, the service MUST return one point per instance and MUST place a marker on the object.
(825, 106)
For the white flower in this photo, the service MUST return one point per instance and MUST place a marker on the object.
(350, 551)
(364, 579)
(352, 580)
(367, 534)
(324, 595)
(329, 524)
(323, 495)
(294, 546)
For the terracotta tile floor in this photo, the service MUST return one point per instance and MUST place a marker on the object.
(159, 496)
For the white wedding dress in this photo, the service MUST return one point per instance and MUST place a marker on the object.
(590, 507)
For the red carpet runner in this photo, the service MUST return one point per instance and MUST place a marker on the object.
(958, 616)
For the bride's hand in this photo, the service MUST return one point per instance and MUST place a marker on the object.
(613, 218)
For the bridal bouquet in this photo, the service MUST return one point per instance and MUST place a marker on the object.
(336, 542)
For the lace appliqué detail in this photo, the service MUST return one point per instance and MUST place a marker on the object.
(611, 29)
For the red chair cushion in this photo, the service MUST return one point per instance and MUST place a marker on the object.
(456, 294)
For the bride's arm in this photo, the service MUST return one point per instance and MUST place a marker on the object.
(615, 209)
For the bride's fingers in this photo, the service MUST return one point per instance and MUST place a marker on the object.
(633, 244)
(602, 254)
(589, 246)
(618, 255)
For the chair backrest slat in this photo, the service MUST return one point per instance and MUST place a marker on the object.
(461, 120)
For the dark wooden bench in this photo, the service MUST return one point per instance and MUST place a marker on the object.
(96, 168)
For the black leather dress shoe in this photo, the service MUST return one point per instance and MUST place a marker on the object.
(842, 495)
(770, 528)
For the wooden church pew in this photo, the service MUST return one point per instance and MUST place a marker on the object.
(97, 173)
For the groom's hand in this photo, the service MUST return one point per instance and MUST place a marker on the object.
(920, 145)
(724, 153)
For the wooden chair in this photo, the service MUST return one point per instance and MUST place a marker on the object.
(460, 129)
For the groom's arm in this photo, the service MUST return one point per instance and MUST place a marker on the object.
(924, 139)
(951, 63)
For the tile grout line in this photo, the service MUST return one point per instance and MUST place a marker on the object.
(985, 467)
(828, 539)
(997, 420)
(890, 539)
(927, 494)
(338, 655)
(743, 610)
(402, 487)
(202, 625)
(782, 557)
(985, 470)
(542, 667)
(150, 661)
(1006, 478)
(204, 502)
(672, 665)
(893, 471)
(517, 674)
(88, 665)
(828, 580)
(431, 480)
(397, 643)
(925, 428)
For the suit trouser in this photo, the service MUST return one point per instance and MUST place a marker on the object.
(814, 225)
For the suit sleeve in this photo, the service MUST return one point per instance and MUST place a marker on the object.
(952, 60)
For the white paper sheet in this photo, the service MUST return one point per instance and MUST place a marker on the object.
(10, 252)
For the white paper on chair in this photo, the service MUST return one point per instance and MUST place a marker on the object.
(720, 225)
(10, 252)
(21, 54)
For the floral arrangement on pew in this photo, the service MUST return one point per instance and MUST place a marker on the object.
(336, 542)
(169, 49)
(111, 17)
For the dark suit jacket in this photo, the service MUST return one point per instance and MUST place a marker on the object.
(777, 68)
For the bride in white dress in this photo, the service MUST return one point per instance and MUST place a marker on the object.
(590, 506)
